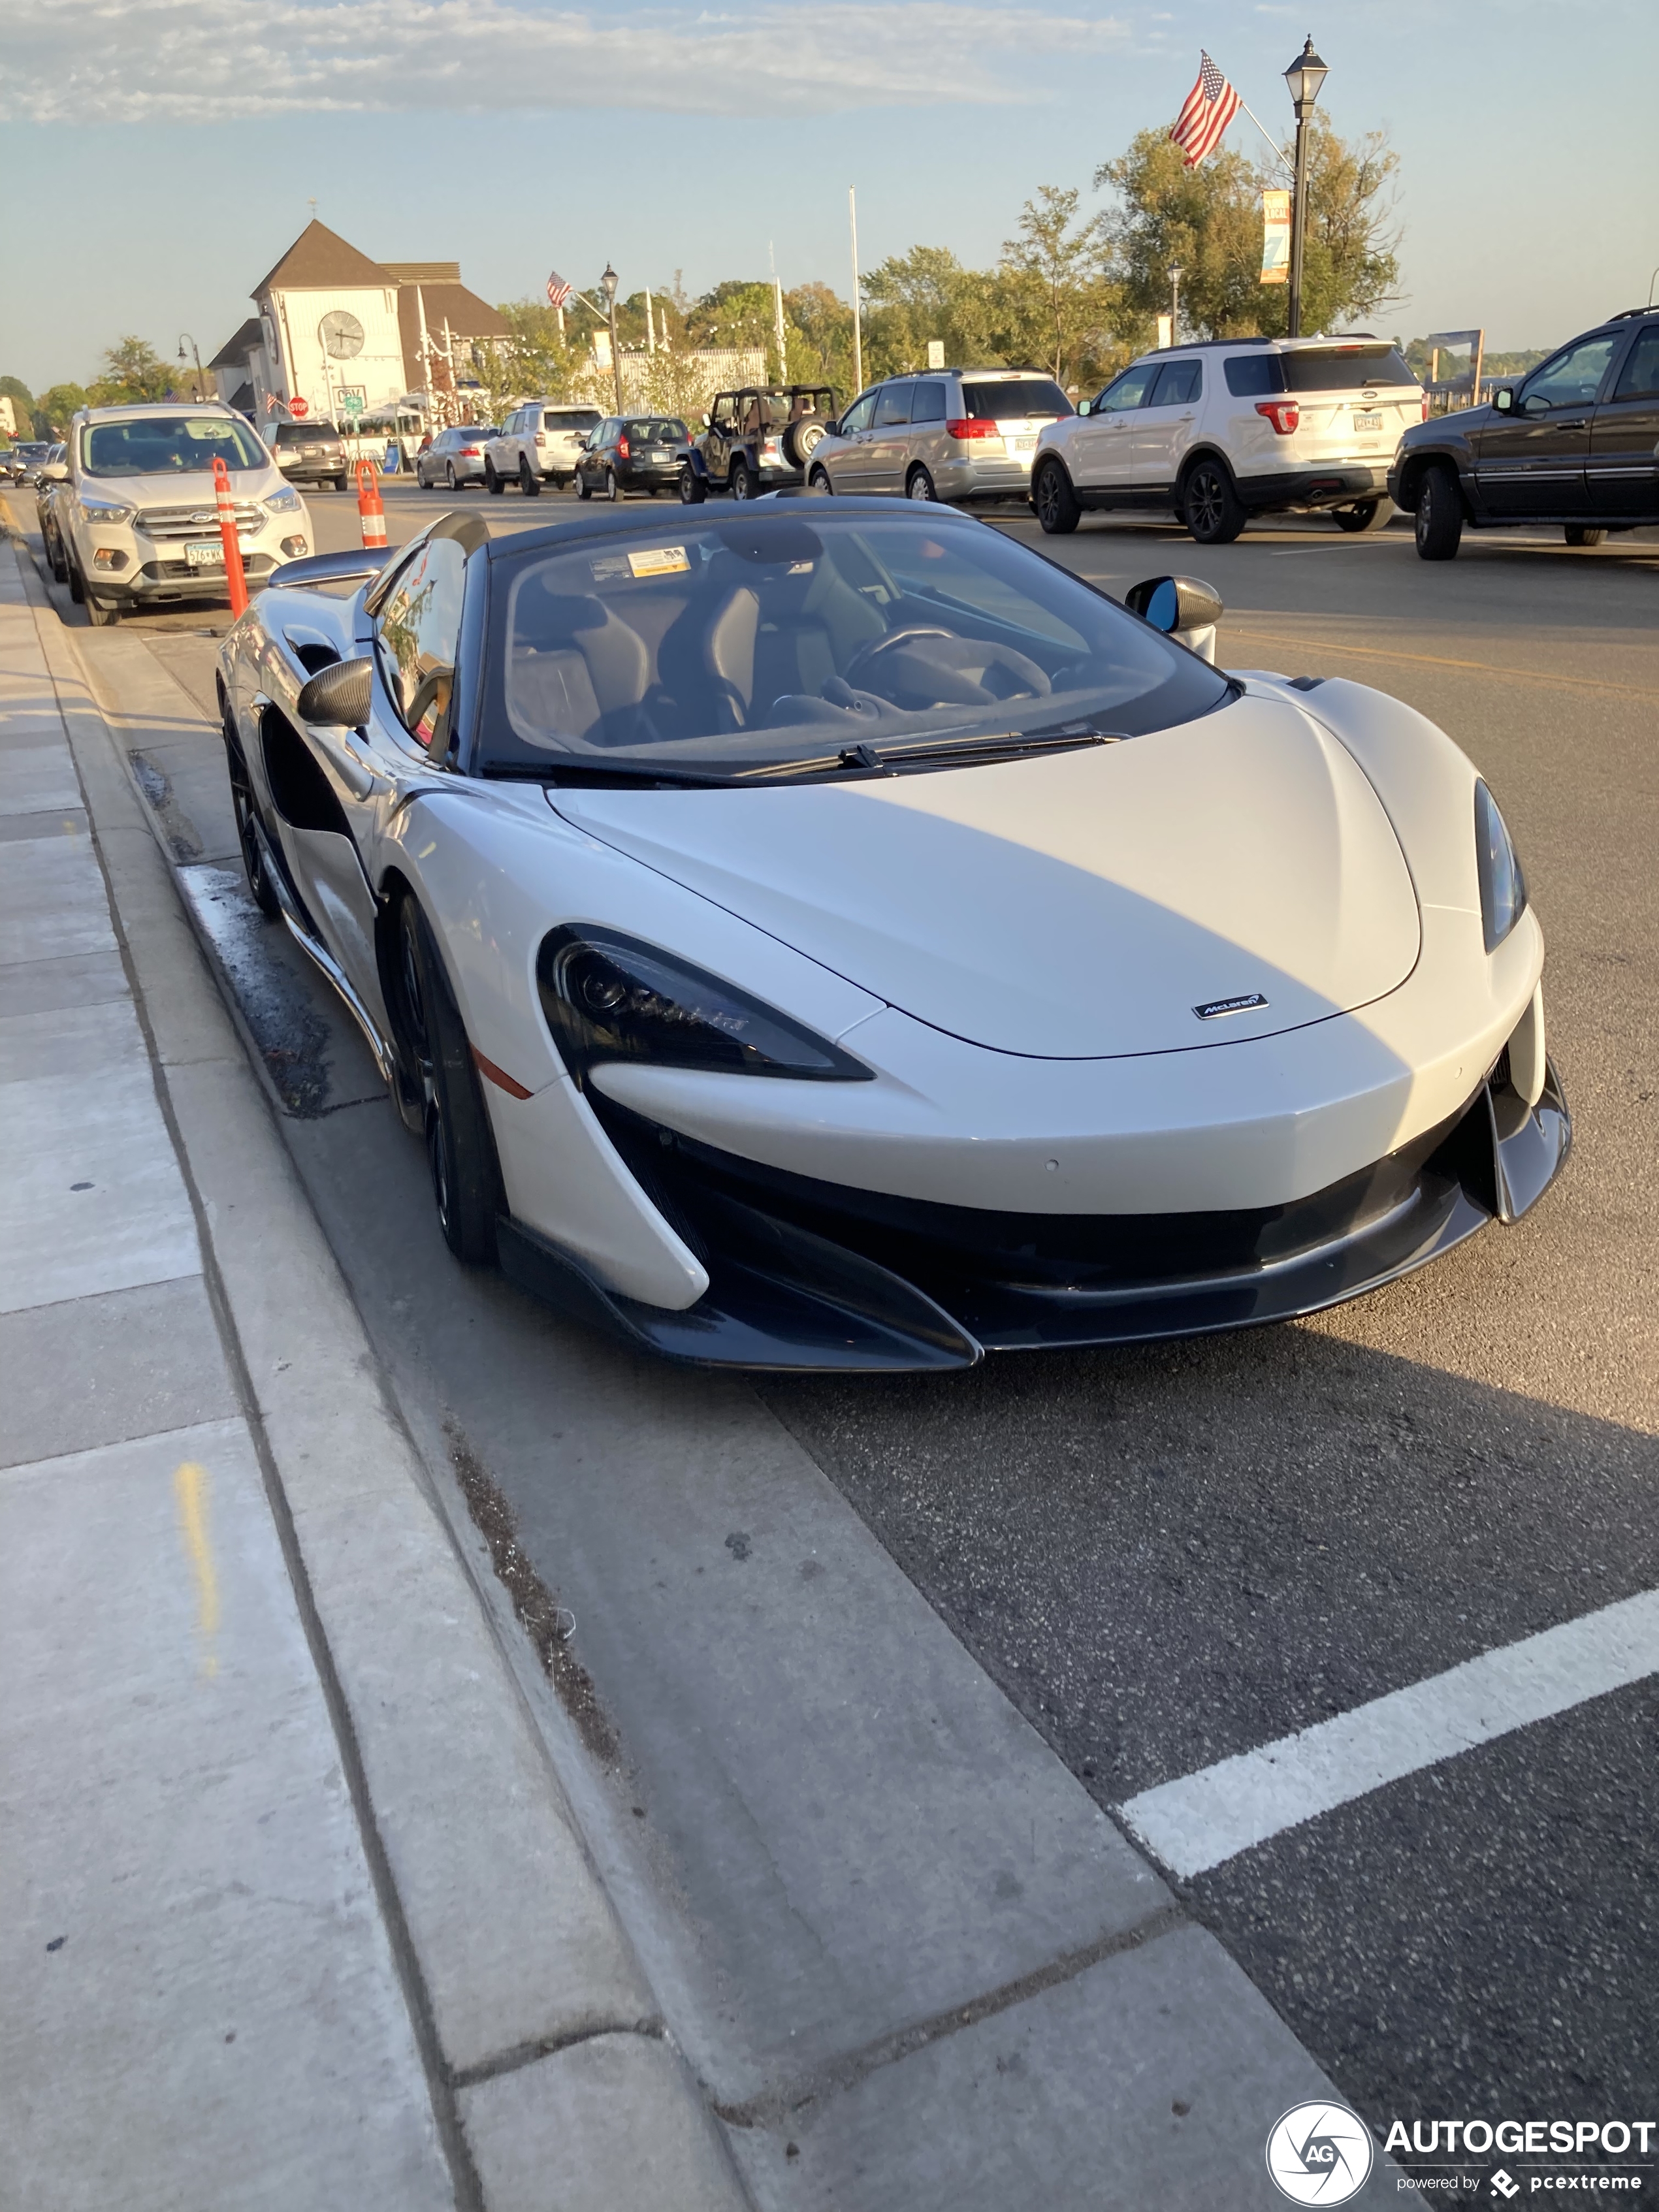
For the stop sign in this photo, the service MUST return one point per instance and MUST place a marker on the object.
(299, 408)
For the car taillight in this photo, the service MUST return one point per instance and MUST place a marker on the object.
(470, 453)
(622, 448)
(1426, 406)
(541, 437)
(1283, 414)
(972, 426)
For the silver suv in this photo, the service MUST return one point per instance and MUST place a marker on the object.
(538, 443)
(1230, 427)
(137, 517)
(950, 434)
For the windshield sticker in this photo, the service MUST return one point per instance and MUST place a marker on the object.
(661, 560)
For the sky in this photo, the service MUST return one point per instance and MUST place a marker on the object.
(157, 156)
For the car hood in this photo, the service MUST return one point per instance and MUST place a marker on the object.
(1071, 906)
(192, 487)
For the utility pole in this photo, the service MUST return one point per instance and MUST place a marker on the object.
(858, 311)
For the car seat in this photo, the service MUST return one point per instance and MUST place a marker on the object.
(576, 668)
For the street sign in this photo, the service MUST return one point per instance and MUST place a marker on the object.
(935, 353)
(352, 404)
(299, 408)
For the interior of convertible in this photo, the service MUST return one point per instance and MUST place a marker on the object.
(771, 636)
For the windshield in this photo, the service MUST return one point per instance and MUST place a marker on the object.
(168, 445)
(655, 430)
(737, 649)
(1344, 369)
(1017, 400)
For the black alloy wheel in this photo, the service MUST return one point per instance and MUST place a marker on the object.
(919, 485)
(744, 485)
(1364, 514)
(1057, 507)
(1580, 533)
(819, 480)
(529, 482)
(612, 491)
(492, 482)
(693, 490)
(1211, 508)
(459, 1148)
(584, 489)
(246, 808)
(1439, 515)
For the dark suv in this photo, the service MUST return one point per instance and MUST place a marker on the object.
(312, 452)
(631, 452)
(1575, 441)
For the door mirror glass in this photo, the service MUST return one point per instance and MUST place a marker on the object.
(1084, 406)
(337, 698)
(418, 626)
(1502, 399)
(706, 418)
(1174, 603)
(55, 473)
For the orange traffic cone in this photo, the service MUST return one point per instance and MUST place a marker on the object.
(369, 509)
(236, 575)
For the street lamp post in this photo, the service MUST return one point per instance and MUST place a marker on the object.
(607, 286)
(1174, 306)
(185, 339)
(1304, 76)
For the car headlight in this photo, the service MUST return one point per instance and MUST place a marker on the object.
(608, 997)
(284, 501)
(105, 510)
(1502, 887)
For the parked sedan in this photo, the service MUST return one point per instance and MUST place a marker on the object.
(1576, 442)
(631, 452)
(830, 935)
(455, 457)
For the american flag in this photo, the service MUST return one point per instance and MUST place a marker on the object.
(1211, 106)
(557, 291)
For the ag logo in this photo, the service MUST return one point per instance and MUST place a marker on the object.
(1320, 2155)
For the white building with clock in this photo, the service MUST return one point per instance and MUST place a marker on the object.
(334, 327)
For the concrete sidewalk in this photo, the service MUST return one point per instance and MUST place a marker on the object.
(292, 1910)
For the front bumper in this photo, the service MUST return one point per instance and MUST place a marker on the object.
(1332, 485)
(805, 1275)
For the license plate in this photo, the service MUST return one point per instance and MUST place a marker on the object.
(205, 556)
(1368, 422)
(1021, 445)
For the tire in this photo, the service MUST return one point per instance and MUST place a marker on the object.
(340, 483)
(529, 482)
(1580, 533)
(246, 808)
(801, 440)
(1364, 514)
(1057, 509)
(693, 490)
(1211, 510)
(919, 485)
(612, 490)
(493, 484)
(819, 480)
(582, 491)
(460, 1148)
(77, 590)
(449, 476)
(1439, 515)
(102, 614)
(742, 481)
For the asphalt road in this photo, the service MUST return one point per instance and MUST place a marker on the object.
(1169, 1554)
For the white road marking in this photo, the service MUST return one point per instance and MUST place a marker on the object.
(1204, 1819)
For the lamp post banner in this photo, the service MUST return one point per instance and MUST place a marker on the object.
(1275, 237)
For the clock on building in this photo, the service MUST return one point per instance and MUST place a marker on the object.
(342, 334)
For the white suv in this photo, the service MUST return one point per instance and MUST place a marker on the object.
(1231, 428)
(538, 443)
(137, 517)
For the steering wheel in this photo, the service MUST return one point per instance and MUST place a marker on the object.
(958, 687)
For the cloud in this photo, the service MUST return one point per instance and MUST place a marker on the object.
(215, 61)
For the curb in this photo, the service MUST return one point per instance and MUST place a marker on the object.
(545, 2051)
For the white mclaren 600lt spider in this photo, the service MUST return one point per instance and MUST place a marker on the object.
(834, 937)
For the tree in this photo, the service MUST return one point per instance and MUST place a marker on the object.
(1052, 287)
(13, 388)
(1207, 223)
(133, 370)
(533, 357)
(54, 408)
